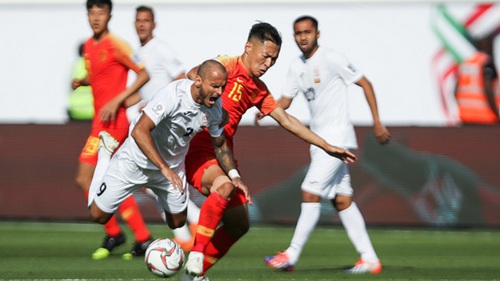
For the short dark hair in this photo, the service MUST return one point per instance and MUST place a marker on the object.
(143, 8)
(303, 18)
(265, 32)
(100, 4)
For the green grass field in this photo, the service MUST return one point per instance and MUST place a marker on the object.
(62, 251)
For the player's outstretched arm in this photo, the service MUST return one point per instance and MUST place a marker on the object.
(294, 126)
(142, 136)
(226, 162)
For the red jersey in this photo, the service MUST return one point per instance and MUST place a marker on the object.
(108, 62)
(241, 93)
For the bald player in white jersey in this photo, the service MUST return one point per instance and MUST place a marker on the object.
(153, 154)
(163, 66)
(323, 76)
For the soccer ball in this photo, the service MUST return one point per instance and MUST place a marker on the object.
(164, 257)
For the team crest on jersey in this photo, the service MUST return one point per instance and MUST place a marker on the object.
(204, 120)
(317, 75)
(102, 55)
(310, 94)
(158, 109)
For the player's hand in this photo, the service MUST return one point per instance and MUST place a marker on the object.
(258, 117)
(108, 111)
(173, 177)
(342, 153)
(75, 83)
(238, 183)
(381, 133)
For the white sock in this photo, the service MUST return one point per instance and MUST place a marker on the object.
(193, 214)
(182, 233)
(354, 225)
(103, 159)
(309, 217)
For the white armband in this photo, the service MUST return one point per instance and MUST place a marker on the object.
(233, 173)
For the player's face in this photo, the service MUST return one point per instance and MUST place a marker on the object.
(211, 88)
(98, 19)
(306, 37)
(261, 56)
(144, 25)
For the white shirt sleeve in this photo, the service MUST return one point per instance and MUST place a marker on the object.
(292, 86)
(162, 104)
(341, 65)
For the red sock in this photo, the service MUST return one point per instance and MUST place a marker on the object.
(210, 216)
(217, 248)
(131, 214)
(112, 227)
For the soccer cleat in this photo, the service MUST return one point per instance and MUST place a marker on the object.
(194, 264)
(279, 262)
(363, 267)
(187, 277)
(108, 245)
(108, 142)
(139, 248)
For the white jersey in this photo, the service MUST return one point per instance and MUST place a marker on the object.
(161, 63)
(177, 118)
(324, 79)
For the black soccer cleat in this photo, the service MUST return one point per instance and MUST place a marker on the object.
(108, 244)
(139, 248)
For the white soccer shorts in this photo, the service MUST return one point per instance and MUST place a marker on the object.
(123, 177)
(327, 176)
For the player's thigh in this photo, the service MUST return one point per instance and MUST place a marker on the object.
(171, 199)
(326, 176)
(122, 178)
(84, 175)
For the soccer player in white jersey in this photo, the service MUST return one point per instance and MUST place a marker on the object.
(163, 66)
(153, 154)
(323, 76)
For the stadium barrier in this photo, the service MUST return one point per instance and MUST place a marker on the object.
(426, 176)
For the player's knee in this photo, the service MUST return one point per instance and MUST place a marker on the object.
(175, 220)
(98, 216)
(224, 187)
(342, 202)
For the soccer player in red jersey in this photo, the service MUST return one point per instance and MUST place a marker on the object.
(226, 195)
(108, 60)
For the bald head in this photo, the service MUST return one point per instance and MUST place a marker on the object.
(209, 83)
(210, 68)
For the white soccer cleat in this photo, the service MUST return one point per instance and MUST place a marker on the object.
(187, 277)
(363, 267)
(108, 142)
(194, 264)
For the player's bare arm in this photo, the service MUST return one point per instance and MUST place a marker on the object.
(142, 136)
(132, 100)
(283, 102)
(381, 133)
(226, 162)
(108, 112)
(80, 82)
(294, 126)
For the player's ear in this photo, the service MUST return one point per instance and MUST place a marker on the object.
(198, 81)
(248, 47)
